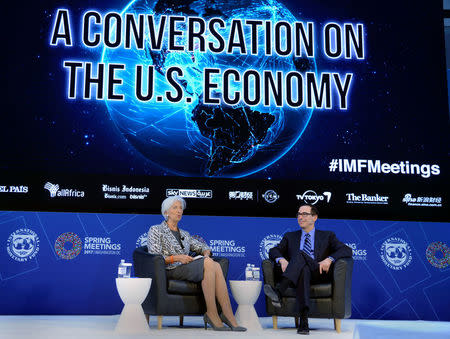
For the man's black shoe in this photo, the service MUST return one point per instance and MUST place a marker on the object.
(303, 328)
(273, 294)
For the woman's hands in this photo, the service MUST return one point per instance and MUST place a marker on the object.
(183, 258)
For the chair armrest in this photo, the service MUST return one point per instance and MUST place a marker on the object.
(342, 287)
(147, 265)
(268, 272)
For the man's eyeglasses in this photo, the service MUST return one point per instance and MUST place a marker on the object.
(303, 214)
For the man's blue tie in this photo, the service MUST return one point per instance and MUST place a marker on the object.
(307, 245)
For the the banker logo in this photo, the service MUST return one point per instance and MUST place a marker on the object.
(142, 240)
(438, 254)
(68, 245)
(240, 195)
(270, 196)
(56, 191)
(189, 193)
(376, 199)
(23, 245)
(396, 253)
(311, 197)
(267, 243)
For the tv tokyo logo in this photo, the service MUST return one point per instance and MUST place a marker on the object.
(68, 245)
(267, 243)
(396, 253)
(23, 245)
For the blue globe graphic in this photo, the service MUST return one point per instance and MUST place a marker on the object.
(189, 138)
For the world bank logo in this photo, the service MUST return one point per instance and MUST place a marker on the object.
(396, 253)
(438, 254)
(267, 243)
(23, 245)
(68, 245)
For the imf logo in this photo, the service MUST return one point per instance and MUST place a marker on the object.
(142, 240)
(267, 243)
(396, 253)
(23, 245)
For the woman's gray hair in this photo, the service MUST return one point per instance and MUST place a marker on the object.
(168, 202)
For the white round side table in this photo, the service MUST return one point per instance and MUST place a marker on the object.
(133, 292)
(246, 292)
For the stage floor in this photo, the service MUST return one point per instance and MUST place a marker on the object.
(92, 327)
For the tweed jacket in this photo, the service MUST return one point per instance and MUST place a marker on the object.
(160, 240)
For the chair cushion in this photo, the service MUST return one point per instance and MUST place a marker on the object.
(316, 291)
(183, 287)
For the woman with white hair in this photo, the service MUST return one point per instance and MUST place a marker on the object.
(174, 244)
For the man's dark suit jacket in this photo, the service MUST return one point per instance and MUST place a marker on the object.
(325, 245)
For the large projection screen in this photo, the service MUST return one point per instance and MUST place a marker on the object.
(242, 107)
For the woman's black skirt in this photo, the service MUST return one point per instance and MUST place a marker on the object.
(190, 272)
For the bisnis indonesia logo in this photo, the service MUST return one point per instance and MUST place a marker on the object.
(23, 245)
(267, 243)
(55, 191)
(396, 253)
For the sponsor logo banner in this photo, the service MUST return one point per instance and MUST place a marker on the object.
(270, 196)
(311, 197)
(374, 199)
(56, 191)
(189, 193)
(23, 245)
(14, 189)
(125, 192)
(412, 200)
(240, 195)
(396, 253)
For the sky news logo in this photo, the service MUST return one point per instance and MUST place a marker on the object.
(189, 193)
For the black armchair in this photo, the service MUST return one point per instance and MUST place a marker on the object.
(169, 297)
(330, 300)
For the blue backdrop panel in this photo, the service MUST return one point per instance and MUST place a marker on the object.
(65, 263)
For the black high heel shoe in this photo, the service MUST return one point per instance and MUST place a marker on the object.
(233, 328)
(215, 328)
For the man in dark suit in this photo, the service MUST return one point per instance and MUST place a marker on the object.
(305, 257)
